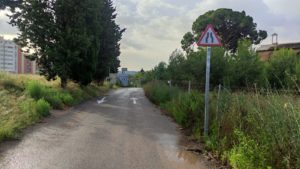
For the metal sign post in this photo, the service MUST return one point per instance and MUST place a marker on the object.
(208, 38)
(206, 116)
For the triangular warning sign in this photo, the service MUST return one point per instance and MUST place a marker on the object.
(209, 37)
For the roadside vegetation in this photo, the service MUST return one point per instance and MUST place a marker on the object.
(247, 129)
(254, 117)
(25, 99)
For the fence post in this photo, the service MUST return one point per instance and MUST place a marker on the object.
(170, 83)
(189, 86)
(218, 98)
(218, 116)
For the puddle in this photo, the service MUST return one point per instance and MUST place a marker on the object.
(176, 154)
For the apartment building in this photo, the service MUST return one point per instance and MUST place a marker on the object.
(8, 56)
(12, 59)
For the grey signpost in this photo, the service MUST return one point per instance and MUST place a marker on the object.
(208, 38)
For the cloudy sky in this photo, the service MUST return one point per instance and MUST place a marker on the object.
(155, 27)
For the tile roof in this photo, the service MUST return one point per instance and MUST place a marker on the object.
(273, 46)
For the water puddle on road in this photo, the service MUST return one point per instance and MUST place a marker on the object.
(176, 155)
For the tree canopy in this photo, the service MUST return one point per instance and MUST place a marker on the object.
(231, 26)
(71, 39)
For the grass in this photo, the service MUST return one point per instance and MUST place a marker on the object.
(247, 130)
(25, 99)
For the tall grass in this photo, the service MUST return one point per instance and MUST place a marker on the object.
(25, 99)
(248, 130)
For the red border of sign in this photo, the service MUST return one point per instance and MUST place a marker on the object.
(203, 34)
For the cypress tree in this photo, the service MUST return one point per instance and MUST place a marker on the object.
(108, 56)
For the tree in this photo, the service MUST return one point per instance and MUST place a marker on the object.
(187, 41)
(142, 71)
(160, 71)
(282, 69)
(195, 68)
(89, 42)
(244, 68)
(71, 39)
(110, 37)
(177, 66)
(231, 26)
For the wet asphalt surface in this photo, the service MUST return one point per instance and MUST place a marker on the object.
(122, 131)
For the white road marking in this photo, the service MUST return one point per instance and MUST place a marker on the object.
(134, 100)
(101, 101)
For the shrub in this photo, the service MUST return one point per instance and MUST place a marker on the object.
(246, 153)
(52, 96)
(160, 93)
(66, 98)
(282, 69)
(249, 130)
(42, 108)
(54, 100)
(35, 89)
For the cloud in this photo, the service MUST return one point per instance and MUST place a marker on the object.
(156, 27)
(6, 30)
(153, 30)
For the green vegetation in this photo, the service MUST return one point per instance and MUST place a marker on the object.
(66, 37)
(25, 99)
(248, 130)
(232, 27)
(242, 70)
(254, 122)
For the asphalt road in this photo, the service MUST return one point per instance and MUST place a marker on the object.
(122, 131)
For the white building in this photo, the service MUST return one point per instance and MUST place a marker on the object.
(13, 60)
(9, 52)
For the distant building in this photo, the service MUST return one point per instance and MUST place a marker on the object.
(13, 60)
(123, 76)
(9, 55)
(26, 66)
(266, 51)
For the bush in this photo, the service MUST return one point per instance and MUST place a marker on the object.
(160, 93)
(282, 69)
(52, 96)
(249, 130)
(66, 98)
(35, 90)
(25, 99)
(54, 100)
(42, 108)
(246, 153)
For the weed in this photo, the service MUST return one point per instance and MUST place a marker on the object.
(35, 90)
(42, 108)
(66, 98)
(25, 99)
(249, 130)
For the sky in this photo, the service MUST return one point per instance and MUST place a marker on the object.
(154, 28)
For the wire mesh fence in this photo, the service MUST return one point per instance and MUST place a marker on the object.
(186, 85)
